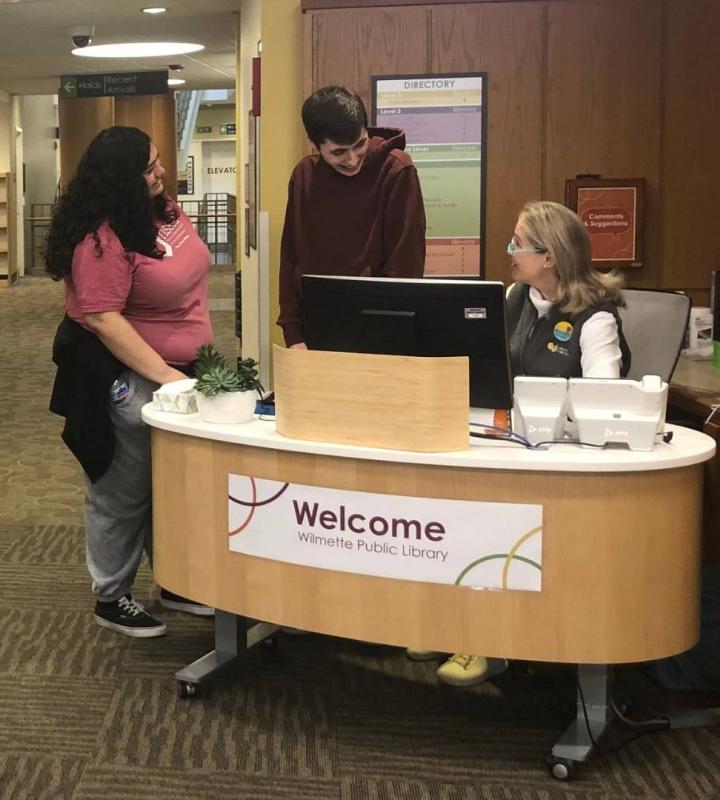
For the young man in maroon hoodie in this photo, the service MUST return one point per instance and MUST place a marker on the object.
(354, 208)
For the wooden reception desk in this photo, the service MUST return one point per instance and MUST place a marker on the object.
(621, 542)
(620, 554)
(695, 394)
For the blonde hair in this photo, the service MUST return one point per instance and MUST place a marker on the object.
(554, 228)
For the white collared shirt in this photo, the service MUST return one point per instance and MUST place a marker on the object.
(600, 355)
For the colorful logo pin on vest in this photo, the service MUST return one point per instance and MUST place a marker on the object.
(563, 331)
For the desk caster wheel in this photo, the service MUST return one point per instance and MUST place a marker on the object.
(561, 768)
(187, 690)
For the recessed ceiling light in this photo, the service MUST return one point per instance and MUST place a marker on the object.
(176, 81)
(154, 10)
(137, 49)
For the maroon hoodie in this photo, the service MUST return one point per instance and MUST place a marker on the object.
(372, 223)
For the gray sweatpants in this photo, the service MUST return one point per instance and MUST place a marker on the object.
(118, 507)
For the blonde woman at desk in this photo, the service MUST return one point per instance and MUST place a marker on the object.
(562, 322)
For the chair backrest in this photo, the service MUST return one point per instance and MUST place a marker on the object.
(654, 323)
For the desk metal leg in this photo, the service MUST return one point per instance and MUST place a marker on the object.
(595, 687)
(233, 634)
(594, 699)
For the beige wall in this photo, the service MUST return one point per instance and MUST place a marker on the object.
(282, 140)
(39, 117)
(214, 116)
(17, 156)
(278, 23)
(248, 36)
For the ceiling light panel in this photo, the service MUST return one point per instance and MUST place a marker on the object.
(137, 49)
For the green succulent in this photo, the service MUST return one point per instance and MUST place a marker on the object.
(207, 358)
(215, 377)
(218, 380)
(247, 372)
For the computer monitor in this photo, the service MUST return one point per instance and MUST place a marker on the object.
(415, 317)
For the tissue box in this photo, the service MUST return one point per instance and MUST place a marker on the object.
(699, 336)
(178, 396)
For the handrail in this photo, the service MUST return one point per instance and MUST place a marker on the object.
(214, 217)
(189, 214)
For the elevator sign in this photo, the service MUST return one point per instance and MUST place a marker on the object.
(115, 84)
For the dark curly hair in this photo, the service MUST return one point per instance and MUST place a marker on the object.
(108, 185)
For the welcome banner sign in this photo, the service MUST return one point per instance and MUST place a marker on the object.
(462, 542)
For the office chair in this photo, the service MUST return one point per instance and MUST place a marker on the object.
(654, 323)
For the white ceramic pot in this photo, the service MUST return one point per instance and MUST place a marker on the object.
(228, 407)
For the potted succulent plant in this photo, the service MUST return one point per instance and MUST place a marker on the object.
(225, 395)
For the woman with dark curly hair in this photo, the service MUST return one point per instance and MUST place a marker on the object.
(135, 274)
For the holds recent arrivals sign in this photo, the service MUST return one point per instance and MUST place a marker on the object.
(114, 84)
(461, 542)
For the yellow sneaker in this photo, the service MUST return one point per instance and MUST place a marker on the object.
(463, 669)
(422, 655)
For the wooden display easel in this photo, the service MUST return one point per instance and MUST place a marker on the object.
(395, 402)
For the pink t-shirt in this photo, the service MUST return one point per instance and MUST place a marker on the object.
(164, 299)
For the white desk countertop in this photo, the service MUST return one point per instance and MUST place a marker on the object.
(687, 447)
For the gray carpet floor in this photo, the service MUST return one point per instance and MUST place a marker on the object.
(89, 715)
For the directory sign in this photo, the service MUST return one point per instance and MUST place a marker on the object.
(444, 118)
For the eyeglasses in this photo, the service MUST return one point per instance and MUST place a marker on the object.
(513, 249)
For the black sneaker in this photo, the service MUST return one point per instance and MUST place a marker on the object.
(178, 603)
(128, 617)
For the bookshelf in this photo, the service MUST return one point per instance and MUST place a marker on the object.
(8, 267)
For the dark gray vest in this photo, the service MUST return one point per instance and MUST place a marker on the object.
(550, 346)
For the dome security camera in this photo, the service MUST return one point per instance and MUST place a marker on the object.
(81, 35)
